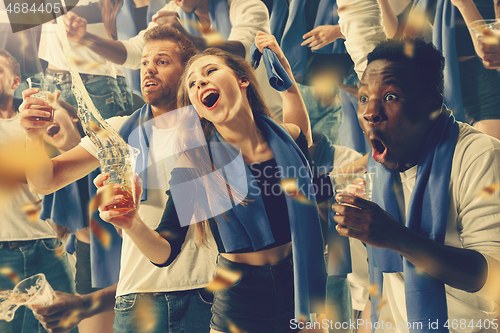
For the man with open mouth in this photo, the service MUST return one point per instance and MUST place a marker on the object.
(432, 229)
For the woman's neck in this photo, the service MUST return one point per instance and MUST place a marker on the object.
(244, 133)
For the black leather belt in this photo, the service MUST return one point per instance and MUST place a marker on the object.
(16, 244)
(65, 77)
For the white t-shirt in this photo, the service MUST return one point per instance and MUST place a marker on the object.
(361, 24)
(195, 265)
(14, 222)
(247, 17)
(473, 223)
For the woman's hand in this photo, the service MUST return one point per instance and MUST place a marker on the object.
(263, 40)
(123, 219)
(322, 36)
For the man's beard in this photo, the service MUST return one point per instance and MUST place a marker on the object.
(161, 97)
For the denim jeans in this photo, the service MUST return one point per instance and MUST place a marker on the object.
(42, 256)
(170, 312)
(109, 98)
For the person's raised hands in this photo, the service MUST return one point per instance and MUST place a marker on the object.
(76, 26)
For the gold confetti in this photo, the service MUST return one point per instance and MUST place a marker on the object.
(59, 252)
(383, 302)
(224, 278)
(105, 194)
(71, 320)
(9, 272)
(144, 319)
(291, 188)
(409, 49)
(168, 234)
(100, 233)
(32, 210)
(233, 328)
(373, 290)
(96, 301)
(433, 115)
(488, 191)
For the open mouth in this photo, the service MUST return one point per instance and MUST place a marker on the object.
(379, 150)
(52, 130)
(149, 84)
(209, 98)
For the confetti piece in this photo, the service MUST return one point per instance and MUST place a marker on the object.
(373, 290)
(100, 233)
(168, 234)
(102, 196)
(233, 328)
(291, 188)
(433, 115)
(409, 49)
(32, 210)
(224, 278)
(59, 252)
(144, 319)
(96, 301)
(71, 320)
(9, 272)
(383, 302)
(488, 191)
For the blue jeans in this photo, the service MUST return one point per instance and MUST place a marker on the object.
(109, 98)
(38, 257)
(171, 312)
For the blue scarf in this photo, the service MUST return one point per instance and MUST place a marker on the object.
(278, 77)
(289, 32)
(425, 296)
(339, 262)
(248, 225)
(219, 18)
(136, 131)
(126, 29)
(443, 37)
(65, 208)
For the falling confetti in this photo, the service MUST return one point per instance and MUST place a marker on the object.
(409, 49)
(9, 272)
(291, 188)
(103, 195)
(168, 234)
(59, 252)
(144, 319)
(233, 328)
(32, 210)
(96, 301)
(433, 115)
(224, 278)
(488, 191)
(100, 233)
(72, 319)
(383, 302)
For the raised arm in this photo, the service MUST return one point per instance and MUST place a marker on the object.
(76, 28)
(45, 175)
(389, 18)
(294, 109)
